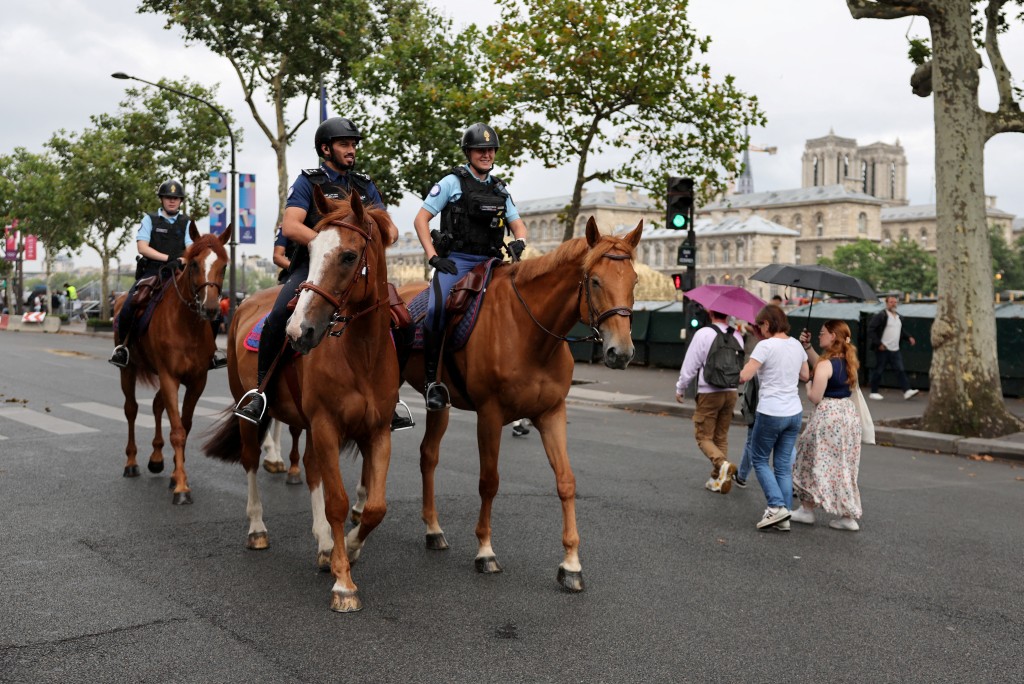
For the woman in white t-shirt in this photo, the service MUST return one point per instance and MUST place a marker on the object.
(780, 363)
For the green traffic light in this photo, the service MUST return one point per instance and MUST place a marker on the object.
(694, 323)
(678, 220)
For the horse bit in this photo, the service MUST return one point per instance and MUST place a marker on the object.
(196, 305)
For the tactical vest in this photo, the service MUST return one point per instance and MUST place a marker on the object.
(169, 238)
(475, 222)
(332, 190)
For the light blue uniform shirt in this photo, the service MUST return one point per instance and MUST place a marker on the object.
(146, 228)
(449, 189)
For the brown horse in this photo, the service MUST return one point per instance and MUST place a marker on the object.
(272, 461)
(176, 350)
(346, 383)
(517, 364)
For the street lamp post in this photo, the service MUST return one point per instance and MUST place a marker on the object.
(233, 173)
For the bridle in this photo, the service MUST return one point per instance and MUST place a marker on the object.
(596, 319)
(340, 301)
(195, 305)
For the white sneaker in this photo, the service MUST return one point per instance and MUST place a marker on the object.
(712, 485)
(783, 526)
(844, 524)
(876, 396)
(910, 394)
(802, 515)
(772, 517)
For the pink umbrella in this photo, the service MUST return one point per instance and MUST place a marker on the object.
(727, 299)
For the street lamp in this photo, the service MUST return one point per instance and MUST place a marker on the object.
(233, 173)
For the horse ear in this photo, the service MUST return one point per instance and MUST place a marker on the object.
(593, 234)
(193, 230)
(321, 201)
(633, 237)
(356, 202)
(226, 234)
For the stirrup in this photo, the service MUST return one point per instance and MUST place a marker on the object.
(249, 411)
(119, 357)
(437, 396)
(400, 422)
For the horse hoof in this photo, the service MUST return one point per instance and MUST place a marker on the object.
(487, 565)
(356, 516)
(182, 498)
(257, 541)
(323, 561)
(571, 581)
(131, 471)
(155, 466)
(293, 478)
(275, 467)
(437, 542)
(345, 603)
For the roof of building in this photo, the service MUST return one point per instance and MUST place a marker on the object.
(590, 200)
(731, 225)
(922, 212)
(812, 195)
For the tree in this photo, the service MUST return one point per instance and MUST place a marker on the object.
(900, 266)
(1007, 266)
(965, 395)
(278, 50)
(618, 76)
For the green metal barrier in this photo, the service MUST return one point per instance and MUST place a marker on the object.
(665, 344)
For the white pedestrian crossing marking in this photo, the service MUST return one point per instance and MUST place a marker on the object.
(44, 421)
(143, 420)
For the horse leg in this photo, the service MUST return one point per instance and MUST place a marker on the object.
(430, 450)
(357, 509)
(294, 474)
(257, 539)
(156, 459)
(488, 437)
(169, 390)
(131, 412)
(376, 459)
(272, 462)
(344, 594)
(321, 528)
(551, 426)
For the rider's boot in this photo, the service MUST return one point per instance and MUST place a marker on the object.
(257, 403)
(400, 422)
(436, 393)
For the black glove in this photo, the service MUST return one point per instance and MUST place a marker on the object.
(515, 248)
(443, 264)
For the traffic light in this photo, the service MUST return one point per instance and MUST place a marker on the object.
(695, 316)
(677, 280)
(679, 204)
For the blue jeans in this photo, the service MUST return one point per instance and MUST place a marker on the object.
(775, 435)
(743, 472)
(442, 285)
(889, 358)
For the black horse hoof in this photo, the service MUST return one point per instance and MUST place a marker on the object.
(182, 498)
(487, 565)
(131, 471)
(155, 466)
(437, 542)
(293, 479)
(570, 580)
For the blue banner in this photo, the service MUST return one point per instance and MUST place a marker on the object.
(218, 202)
(247, 208)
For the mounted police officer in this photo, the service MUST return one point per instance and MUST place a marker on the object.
(336, 141)
(162, 239)
(476, 211)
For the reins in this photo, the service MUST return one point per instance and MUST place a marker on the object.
(195, 306)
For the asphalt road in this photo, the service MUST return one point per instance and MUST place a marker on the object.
(103, 580)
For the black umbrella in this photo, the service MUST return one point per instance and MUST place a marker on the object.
(817, 279)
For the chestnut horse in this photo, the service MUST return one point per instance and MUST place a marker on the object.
(517, 364)
(272, 461)
(176, 350)
(347, 383)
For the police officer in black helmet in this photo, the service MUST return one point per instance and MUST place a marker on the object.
(162, 239)
(476, 213)
(336, 142)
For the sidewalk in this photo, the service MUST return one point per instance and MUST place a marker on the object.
(652, 390)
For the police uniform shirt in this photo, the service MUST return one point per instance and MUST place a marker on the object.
(280, 240)
(449, 189)
(300, 194)
(146, 228)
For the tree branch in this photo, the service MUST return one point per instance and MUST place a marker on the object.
(890, 9)
(1004, 81)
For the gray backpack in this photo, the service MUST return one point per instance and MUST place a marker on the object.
(725, 360)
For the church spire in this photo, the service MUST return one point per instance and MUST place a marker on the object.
(745, 184)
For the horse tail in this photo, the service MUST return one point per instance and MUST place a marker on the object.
(226, 442)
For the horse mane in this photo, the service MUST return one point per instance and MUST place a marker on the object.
(209, 240)
(343, 207)
(570, 253)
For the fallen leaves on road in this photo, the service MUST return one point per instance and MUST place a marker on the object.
(981, 457)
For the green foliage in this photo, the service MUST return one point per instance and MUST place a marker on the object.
(1007, 261)
(34, 194)
(900, 266)
(919, 51)
(595, 76)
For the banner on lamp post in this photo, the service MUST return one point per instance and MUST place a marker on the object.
(30, 248)
(218, 202)
(247, 208)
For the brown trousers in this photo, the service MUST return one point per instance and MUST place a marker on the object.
(711, 420)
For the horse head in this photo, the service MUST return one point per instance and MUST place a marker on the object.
(608, 283)
(203, 276)
(347, 269)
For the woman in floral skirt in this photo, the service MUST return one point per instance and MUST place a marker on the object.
(828, 451)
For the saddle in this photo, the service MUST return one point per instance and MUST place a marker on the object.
(462, 307)
(148, 293)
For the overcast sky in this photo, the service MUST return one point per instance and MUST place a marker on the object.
(811, 65)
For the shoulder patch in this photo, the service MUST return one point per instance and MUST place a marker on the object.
(435, 191)
(363, 176)
(291, 189)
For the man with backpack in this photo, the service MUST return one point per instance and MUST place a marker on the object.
(714, 356)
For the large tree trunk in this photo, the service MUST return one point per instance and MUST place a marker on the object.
(966, 394)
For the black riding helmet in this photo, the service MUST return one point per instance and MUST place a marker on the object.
(171, 188)
(479, 136)
(332, 129)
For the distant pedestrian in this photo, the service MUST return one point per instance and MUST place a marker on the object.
(777, 300)
(73, 305)
(712, 414)
(780, 363)
(828, 452)
(885, 335)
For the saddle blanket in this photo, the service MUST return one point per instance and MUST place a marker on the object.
(459, 330)
(252, 340)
